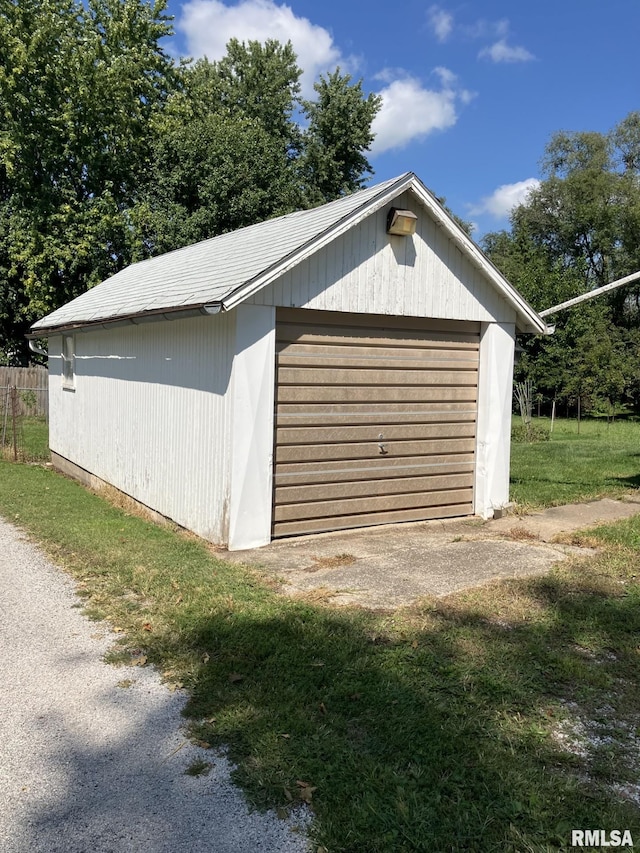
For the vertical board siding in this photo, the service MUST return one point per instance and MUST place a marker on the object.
(31, 383)
(150, 414)
(375, 420)
(368, 271)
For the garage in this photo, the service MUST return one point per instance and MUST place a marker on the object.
(375, 420)
(338, 367)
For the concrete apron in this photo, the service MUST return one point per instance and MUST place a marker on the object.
(395, 564)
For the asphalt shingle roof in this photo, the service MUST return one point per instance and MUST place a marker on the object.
(208, 271)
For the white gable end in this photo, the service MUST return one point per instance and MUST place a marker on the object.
(367, 271)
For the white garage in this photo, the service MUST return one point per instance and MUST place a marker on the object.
(339, 367)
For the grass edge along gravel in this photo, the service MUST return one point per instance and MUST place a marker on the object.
(500, 718)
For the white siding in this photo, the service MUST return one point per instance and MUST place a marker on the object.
(493, 442)
(369, 271)
(151, 414)
(250, 503)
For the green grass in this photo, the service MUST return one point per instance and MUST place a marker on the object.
(35, 432)
(32, 439)
(601, 460)
(427, 729)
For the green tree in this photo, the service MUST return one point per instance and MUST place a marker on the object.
(78, 85)
(261, 82)
(339, 133)
(229, 152)
(224, 148)
(579, 230)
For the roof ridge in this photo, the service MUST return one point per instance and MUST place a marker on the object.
(282, 216)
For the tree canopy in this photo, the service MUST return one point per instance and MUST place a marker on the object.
(111, 151)
(578, 230)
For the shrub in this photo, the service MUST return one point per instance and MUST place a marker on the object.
(530, 433)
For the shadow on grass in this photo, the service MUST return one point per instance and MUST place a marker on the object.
(421, 739)
(427, 729)
(628, 482)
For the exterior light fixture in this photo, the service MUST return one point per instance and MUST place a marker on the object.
(401, 222)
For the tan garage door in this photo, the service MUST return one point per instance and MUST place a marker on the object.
(375, 420)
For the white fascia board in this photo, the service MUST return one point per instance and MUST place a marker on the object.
(532, 321)
(316, 243)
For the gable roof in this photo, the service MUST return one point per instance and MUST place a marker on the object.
(218, 273)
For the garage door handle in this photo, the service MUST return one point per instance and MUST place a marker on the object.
(383, 448)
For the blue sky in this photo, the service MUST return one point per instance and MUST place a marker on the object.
(471, 91)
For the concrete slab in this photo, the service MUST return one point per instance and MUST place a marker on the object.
(393, 565)
(561, 520)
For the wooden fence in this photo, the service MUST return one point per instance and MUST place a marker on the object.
(32, 387)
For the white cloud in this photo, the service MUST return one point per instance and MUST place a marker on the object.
(502, 201)
(209, 24)
(483, 29)
(500, 51)
(447, 77)
(410, 111)
(441, 22)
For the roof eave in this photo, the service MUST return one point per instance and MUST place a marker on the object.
(135, 319)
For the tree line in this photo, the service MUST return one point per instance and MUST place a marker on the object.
(112, 151)
(578, 230)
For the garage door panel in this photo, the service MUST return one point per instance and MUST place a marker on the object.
(374, 487)
(372, 433)
(384, 336)
(375, 393)
(292, 473)
(358, 361)
(389, 349)
(365, 450)
(346, 522)
(375, 420)
(312, 414)
(378, 359)
(372, 377)
(379, 503)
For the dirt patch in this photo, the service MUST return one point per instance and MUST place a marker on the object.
(604, 744)
(329, 562)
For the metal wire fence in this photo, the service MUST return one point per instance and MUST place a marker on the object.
(24, 428)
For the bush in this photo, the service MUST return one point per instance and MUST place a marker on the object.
(530, 433)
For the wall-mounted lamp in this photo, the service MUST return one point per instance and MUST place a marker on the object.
(401, 222)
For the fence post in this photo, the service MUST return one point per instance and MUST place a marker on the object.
(14, 419)
(6, 415)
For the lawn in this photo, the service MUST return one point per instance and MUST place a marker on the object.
(32, 439)
(496, 719)
(602, 459)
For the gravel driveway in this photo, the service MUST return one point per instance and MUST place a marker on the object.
(87, 764)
